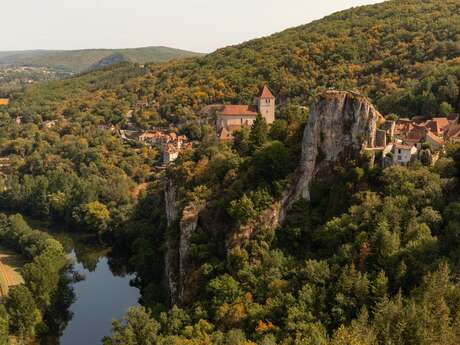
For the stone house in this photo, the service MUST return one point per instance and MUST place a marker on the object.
(452, 133)
(380, 138)
(172, 150)
(435, 142)
(403, 154)
(170, 153)
(236, 115)
(48, 124)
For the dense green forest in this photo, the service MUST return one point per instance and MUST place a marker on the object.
(81, 60)
(28, 309)
(74, 173)
(380, 50)
(371, 259)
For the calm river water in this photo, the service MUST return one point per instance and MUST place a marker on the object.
(102, 296)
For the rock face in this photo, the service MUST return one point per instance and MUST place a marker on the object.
(170, 260)
(188, 225)
(172, 212)
(177, 257)
(341, 126)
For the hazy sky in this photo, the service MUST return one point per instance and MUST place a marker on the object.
(199, 25)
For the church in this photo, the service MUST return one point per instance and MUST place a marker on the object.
(230, 118)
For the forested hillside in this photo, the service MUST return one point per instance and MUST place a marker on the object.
(81, 60)
(382, 50)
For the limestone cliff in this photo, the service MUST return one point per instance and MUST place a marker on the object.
(171, 254)
(188, 225)
(341, 126)
(177, 257)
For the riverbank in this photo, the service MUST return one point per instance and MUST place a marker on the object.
(104, 294)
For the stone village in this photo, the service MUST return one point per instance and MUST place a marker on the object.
(225, 118)
(400, 140)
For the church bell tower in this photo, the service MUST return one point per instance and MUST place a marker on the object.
(266, 104)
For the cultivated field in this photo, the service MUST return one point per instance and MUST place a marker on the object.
(10, 263)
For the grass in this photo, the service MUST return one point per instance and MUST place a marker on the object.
(10, 264)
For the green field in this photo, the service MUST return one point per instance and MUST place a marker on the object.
(10, 264)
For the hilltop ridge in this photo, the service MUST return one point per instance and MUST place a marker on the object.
(81, 60)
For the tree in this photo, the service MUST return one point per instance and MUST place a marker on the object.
(259, 132)
(279, 130)
(94, 215)
(242, 209)
(391, 117)
(23, 312)
(446, 109)
(242, 141)
(136, 328)
(271, 163)
(4, 320)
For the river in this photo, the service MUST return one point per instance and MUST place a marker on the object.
(104, 294)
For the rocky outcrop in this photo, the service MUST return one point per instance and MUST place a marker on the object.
(268, 219)
(188, 225)
(171, 210)
(177, 257)
(341, 126)
(171, 254)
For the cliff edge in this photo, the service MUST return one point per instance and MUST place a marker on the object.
(342, 125)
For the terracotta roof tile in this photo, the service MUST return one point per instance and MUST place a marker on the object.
(236, 110)
(435, 138)
(438, 124)
(452, 131)
(265, 93)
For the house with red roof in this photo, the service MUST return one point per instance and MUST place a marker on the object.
(437, 125)
(452, 133)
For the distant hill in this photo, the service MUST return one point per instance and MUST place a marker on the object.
(82, 60)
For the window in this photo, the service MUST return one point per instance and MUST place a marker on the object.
(399, 158)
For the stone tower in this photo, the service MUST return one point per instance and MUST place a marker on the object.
(266, 104)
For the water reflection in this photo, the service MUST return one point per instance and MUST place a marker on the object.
(105, 293)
